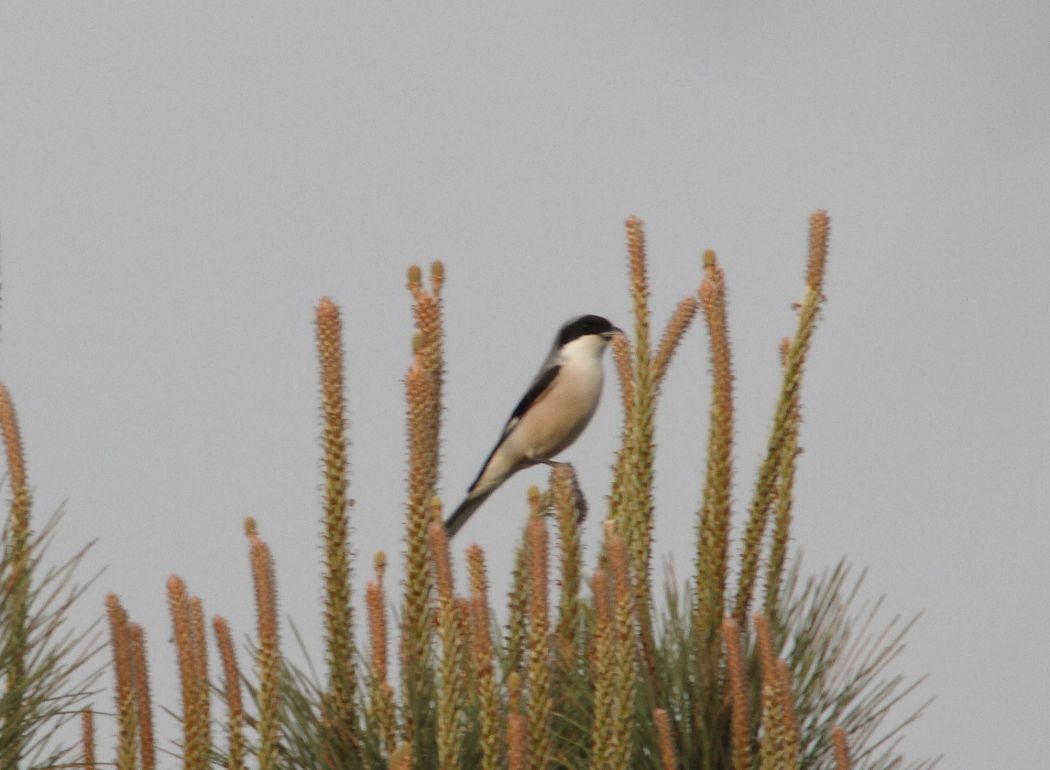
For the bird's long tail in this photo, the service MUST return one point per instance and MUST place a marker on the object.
(459, 517)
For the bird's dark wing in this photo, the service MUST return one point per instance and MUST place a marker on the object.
(532, 395)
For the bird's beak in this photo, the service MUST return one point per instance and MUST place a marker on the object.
(613, 332)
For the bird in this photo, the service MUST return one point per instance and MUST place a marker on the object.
(551, 415)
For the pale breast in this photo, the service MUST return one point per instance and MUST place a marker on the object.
(559, 418)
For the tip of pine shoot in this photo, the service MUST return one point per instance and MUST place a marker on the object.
(251, 529)
(415, 277)
(437, 275)
(709, 258)
(380, 560)
(819, 227)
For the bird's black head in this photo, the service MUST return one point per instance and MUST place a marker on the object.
(584, 325)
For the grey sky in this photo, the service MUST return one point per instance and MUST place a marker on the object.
(180, 183)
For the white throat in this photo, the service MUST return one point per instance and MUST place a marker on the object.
(585, 350)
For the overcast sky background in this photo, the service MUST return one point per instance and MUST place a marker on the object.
(181, 182)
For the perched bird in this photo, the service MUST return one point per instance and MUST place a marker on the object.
(551, 415)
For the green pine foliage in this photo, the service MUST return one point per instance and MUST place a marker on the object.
(47, 668)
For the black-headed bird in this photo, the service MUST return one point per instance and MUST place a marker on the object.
(551, 415)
